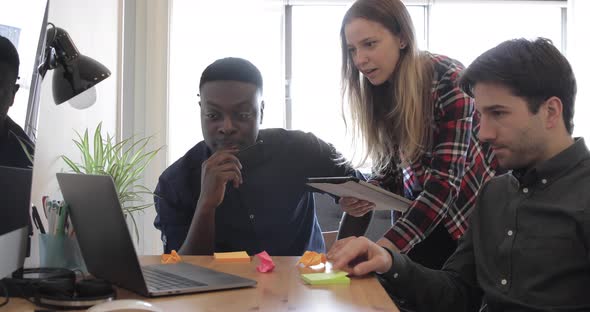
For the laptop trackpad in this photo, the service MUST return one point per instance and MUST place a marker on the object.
(196, 273)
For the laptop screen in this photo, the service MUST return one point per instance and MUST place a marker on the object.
(15, 184)
(24, 25)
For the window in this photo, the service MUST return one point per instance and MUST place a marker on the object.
(22, 25)
(301, 38)
(315, 82)
(477, 27)
(204, 31)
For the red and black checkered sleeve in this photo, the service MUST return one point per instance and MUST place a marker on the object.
(444, 170)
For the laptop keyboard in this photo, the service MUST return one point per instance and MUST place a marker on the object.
(160, 280)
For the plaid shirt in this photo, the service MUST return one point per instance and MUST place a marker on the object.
(444, 183)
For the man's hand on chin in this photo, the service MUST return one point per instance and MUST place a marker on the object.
(222, 167)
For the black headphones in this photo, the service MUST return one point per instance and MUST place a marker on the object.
(58, 288)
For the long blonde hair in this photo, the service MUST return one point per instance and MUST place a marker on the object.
(394, 120)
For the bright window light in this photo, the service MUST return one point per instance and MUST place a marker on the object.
(204, 31)
(316, 91)
(480, 27)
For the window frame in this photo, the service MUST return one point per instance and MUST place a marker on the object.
(427, 4)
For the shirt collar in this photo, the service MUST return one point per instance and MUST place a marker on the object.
(551, 169)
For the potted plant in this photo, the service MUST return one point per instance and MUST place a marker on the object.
(124, 161)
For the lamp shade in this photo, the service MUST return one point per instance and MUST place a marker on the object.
(76, 76)
(73, 73)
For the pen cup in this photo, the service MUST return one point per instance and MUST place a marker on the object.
(60, 251)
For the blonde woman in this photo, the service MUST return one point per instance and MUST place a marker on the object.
(417, 127)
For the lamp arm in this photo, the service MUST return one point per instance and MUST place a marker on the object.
(59, 48)
(49, 59)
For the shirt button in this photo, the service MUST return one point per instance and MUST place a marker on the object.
(504, 282)
(525, 190)
(492, 173)
(510, 233)
(251, 217)
(544, 181)
(395, 275)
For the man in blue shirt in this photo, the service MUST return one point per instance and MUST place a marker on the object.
(243, 188)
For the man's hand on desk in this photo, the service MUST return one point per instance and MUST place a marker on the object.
(222, 167)
(359, 256)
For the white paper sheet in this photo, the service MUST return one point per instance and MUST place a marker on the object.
(383, 200)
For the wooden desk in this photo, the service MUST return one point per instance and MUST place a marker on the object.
(280, 290)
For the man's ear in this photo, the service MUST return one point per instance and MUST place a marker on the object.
(554, 111)
(14, 91)
(261, 111)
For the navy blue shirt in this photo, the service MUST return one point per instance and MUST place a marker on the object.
(272, 210)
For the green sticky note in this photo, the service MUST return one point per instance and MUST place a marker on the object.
(326, 278)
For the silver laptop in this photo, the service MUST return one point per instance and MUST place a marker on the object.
(101, 231)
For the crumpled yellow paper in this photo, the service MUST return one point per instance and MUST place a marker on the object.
(311, 258)
(172, 257)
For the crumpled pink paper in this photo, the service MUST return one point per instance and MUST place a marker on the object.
(266, 265)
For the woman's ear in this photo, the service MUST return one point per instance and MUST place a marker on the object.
(403, 43)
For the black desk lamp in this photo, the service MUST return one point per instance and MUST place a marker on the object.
(74, 72)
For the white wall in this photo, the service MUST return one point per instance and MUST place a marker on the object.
(578, 49)
(93, 26)
(145, 96)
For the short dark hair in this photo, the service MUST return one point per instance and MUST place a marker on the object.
(234, 69)
(9, 55)
(532, 69)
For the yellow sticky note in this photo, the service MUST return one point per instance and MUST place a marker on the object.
(236, 256)
(326, 278)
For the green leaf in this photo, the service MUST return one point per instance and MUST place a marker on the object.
(98, 147)
(25, 145)
(124, 161)
(71, 164)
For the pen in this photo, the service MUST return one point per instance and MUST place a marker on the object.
(52, 216)
(37, 221)
(61, 218)
(44, 204)
(248, 155)
(249, 146)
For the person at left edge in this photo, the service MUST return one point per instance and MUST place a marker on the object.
(13, 140)
(209, 201)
